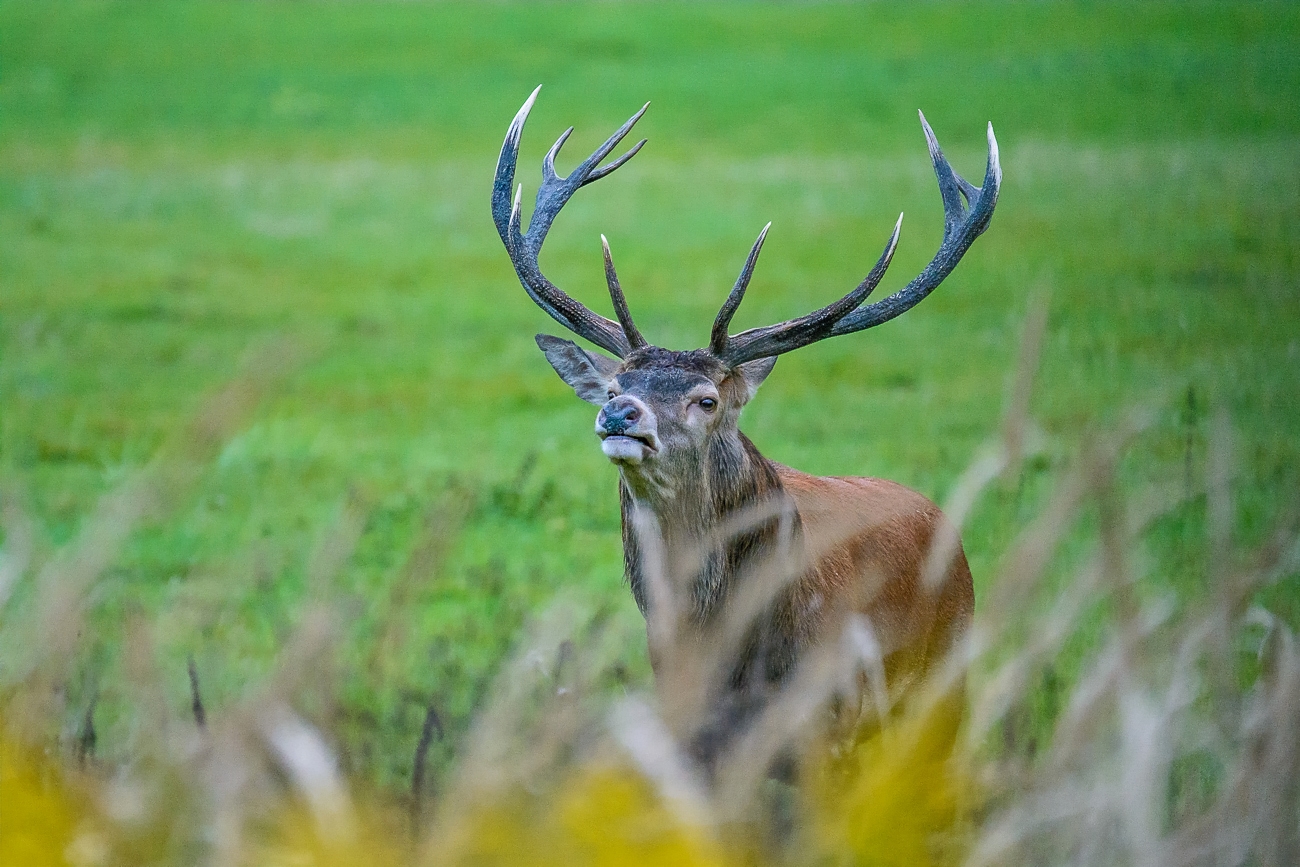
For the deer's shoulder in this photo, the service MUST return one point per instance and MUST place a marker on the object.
(862, 520)
(870, 501)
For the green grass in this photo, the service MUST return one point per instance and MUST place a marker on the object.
(182, 183)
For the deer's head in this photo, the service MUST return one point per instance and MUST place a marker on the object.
(661, 410)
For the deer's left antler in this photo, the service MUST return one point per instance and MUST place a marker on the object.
(967, 210)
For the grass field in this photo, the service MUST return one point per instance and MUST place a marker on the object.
(182, 185)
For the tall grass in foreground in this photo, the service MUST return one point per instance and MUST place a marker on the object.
(1175, 741)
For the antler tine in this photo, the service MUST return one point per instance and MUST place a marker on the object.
(967, 210)
(718, 337)
(552, 195)
(555, 191)
(786, 336)
(963, 222)
(599, 173)
(503, 185)
(634, 338)
(548, 161)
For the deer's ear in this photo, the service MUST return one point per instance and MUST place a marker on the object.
(753, 373)
(589, 373)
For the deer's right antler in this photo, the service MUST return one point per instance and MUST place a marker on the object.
(621, 337)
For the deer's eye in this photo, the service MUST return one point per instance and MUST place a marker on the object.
(612, 394)
(708, 404)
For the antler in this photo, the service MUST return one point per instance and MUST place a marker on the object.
(967, 210)
(552, 195)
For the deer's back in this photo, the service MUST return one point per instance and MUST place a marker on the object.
(866, 542)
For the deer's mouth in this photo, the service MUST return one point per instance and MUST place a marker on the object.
(632, 447)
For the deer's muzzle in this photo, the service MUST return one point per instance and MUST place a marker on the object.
(626, 427)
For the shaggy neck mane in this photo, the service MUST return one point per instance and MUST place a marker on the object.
(730, 478)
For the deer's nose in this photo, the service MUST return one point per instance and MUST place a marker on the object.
(618, 415)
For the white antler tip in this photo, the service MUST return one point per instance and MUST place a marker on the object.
(517, 126)
(930, 140)
(893, 238)
(995, 161)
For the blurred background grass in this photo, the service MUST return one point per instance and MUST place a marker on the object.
(182, 183)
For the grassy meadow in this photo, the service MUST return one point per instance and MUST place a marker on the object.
(297, 194)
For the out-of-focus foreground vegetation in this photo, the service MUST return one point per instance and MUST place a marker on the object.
(293, 198)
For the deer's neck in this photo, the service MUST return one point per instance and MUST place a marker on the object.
(713, 520)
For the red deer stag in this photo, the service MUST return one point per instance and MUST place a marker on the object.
(668, 421)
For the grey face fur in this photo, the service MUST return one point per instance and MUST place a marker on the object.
(660, 410)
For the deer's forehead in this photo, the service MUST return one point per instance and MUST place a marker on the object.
(667, 373)
(662, 382)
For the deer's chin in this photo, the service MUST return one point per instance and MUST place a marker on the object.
(621, 449)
